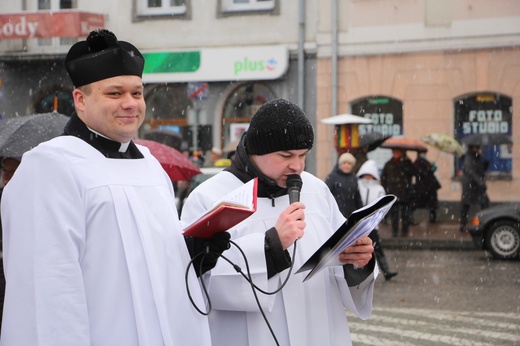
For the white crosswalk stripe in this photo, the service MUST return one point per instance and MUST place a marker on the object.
(410, 327)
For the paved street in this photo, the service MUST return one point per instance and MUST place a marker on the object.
(444, 298)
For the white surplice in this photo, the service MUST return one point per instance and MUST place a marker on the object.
(302, 314)
(93, 253)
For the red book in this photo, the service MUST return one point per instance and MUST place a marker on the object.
(228, 211)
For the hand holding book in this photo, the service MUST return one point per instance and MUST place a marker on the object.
(227, 212)
(359, 224)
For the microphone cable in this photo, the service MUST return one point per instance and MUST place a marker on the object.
(201, 280)
(247, 277)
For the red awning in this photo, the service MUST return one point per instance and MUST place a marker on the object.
(49, 24)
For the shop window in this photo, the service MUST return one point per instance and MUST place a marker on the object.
(162, 7)
(54, 99)
(167, 107)
(240, 106)
(167, 104)
(56, 5)
(241, 6)
(386, 114)
(481, 113)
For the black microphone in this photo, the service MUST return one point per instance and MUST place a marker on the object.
(294, 186)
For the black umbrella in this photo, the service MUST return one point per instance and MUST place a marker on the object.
(22, 133)
(372, 140)
(481, 139)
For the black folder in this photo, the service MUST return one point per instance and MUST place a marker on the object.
(359, 224)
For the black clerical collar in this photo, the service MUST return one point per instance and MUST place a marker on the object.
(109, 148)
(122, 146)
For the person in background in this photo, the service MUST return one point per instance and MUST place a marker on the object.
(371, 190)
(426, 187)
(474, 188)
(361, 155)
(343, 185)
(212, 156)
(9, 166)
(93, 249)
(396, 179)
(303, 313)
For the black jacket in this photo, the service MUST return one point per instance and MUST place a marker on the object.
(344, 188)
(474, 179)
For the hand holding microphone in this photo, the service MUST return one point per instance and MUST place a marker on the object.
(290, 223)
(294, 186)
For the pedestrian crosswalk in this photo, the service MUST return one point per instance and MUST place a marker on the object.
(424, 327)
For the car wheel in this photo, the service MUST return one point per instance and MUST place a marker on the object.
(503, 239)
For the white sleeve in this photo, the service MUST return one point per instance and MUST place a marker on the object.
(44, 234)
(357, 299)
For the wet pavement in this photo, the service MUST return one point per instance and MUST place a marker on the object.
(442, 295)
(443, 235)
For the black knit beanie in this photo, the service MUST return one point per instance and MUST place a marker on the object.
(278, 125)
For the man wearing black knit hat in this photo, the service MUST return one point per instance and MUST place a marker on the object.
(93, 248)
(274, 147)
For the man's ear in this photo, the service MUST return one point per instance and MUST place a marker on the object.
(79, 99)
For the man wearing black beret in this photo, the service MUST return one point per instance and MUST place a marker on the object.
(308, 313)
(93, 249)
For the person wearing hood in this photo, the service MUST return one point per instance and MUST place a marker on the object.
(370, 190)
(280, 236)
(343, 185)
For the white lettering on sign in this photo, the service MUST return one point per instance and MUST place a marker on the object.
(485, 127)
(383, 123)
(485, 121)
(485, 115)
(385, 129)
(380, 118)
(22, 28)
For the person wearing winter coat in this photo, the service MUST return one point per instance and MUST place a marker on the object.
(342, 183)
(396, 178)
(279, 236)
(474, 188)
(361, 155)
(370, 190)
(426, 187)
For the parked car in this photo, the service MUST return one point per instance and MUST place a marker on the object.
(497, 230)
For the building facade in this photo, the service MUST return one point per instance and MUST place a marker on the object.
(412, 66)
(209, 64)
(452, 65)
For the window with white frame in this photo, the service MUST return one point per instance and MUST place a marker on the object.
(247, 5)
(161, 7)
(55, 5)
